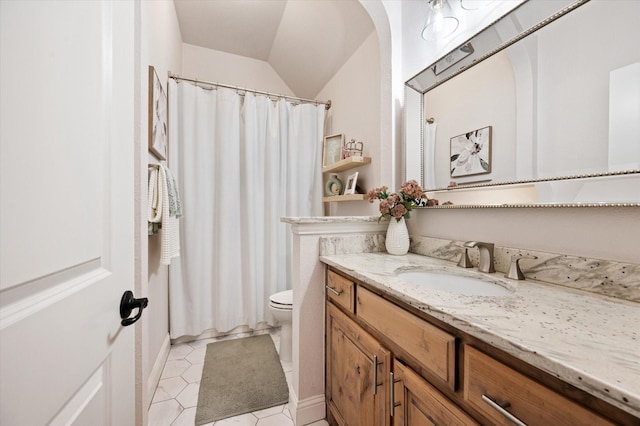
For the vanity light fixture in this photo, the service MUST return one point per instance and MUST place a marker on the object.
(441, 22)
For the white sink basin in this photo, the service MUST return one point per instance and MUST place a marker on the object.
(454, 283)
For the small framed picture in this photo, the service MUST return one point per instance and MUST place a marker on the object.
(352, 180)
(157, 117)
(332, 150)
(471, 153)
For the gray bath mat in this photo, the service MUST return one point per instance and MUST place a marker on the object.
(240, 376)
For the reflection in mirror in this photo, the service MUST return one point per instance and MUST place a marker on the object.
(562, 101)
(413, 152)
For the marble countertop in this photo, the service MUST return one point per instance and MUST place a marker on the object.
(587, 340)
(330, 219)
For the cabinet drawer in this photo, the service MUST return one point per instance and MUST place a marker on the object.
(522, 397)
(433, 348)
(340, 290)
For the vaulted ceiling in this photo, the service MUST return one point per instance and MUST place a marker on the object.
(305, 41)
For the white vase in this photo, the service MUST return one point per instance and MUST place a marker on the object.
(397, 241)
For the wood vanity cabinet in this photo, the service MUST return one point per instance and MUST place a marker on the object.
(417, 403)
(357, 374)
(358, 366)
(388, 366)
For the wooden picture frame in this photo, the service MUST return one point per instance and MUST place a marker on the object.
(157, 116)
(332, 149)
(352, 181)
(471, 153)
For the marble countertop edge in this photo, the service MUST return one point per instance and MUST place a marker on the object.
(329, 219)
(599, 361)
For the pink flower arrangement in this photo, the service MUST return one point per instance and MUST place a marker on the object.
(398, 205)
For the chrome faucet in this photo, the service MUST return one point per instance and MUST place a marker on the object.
(486, 255)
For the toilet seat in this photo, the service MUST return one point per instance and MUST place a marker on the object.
(281, 310)
(282, 300)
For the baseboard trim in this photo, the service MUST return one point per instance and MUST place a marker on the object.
(158, 366)
(307, 411)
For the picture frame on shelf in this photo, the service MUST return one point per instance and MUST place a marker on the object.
(352, 181)
(332, 149)
(157, 116)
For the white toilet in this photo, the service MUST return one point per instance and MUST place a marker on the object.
(281, 306)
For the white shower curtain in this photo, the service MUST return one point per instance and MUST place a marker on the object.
(242, 163)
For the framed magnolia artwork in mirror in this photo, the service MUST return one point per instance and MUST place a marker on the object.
(471, 153)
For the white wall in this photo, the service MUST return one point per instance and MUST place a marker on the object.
(160, 46)
(221, 67)
(608, 233)
(355, 111)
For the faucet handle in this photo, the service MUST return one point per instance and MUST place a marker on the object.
(472, 244)
(514, 269)
(464, 261)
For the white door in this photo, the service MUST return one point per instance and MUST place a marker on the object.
(66, 218)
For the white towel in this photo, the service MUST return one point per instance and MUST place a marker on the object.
(155, 198)
(175, 204)
(159, 212)
(154, 210)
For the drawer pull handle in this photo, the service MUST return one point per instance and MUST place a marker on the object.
(376, 363)
(392, 403)
(334, 291)
(502, 411)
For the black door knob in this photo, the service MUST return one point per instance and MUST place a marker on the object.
(127, 304)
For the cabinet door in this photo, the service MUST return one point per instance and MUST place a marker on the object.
(417, 403)
(356, 384)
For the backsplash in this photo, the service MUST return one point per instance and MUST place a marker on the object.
(348, 244)
(615, 279)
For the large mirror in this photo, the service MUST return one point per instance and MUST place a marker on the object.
(542, 107)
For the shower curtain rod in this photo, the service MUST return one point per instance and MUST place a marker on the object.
(326, 104)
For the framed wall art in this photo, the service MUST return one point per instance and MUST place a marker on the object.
(157, 116)
(471, 153)
(332, 150)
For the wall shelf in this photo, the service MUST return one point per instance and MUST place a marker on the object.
(349, 197)
(346, 164)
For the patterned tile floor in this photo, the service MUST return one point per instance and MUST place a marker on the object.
(176, 397)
